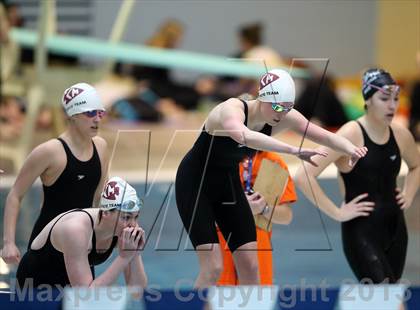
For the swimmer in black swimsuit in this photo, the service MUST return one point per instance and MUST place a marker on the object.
(64, 250)
(72, 168)
(373, 230)
(208, 187)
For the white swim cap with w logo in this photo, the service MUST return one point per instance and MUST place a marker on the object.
(277, 86)
(81, 97)
(118, 194)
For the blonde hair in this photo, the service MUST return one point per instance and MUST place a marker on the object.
(167, 34)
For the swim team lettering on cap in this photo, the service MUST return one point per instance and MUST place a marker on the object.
(80, 98)
(277, 86)
(118, 194)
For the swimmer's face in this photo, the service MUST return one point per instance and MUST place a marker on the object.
(383, 105)
(128, 219)
(273, 113)
(88, 122)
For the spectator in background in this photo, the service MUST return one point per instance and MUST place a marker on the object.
(12, 103)
(13, 15)
(27, 55)
(320, 104)
(3, 23)
(11, 108)
(16, 20)
(158, 93)
(415, 105)
(252, 46)
(12, 117)
(9, 50)
(252, 49)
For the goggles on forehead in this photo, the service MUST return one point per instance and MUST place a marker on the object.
(387, 89)
(93, 113)
(281, 108)
(131, 206)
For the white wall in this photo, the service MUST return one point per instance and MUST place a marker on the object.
(340, 30)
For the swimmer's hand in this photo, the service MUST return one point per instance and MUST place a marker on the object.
(138, 234)
(401, 201)
(356, 154)
(10, 253)
(306, 155)
(129, 241)
(355, 208)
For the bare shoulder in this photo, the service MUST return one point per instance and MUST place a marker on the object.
(67, 229)
(231, 108)
(293, 116)
(404, 138)
(100, 143)
(232, 102)
(75, 221)
(351, 130)
(47, 150)
(401, 132)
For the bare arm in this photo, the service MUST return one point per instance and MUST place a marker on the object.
(232, 117)
(37, 162)
(101, 146)
(305, 182)
(75, 251)
(298, 123)
(134, 274)
(411, 156)
(311, 188)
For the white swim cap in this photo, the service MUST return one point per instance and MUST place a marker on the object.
(79, 98)
(277, 86)
(118, 194)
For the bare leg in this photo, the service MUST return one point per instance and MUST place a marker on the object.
(211, 264)
(246, 263)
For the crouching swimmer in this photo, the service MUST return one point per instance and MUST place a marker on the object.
(64, 251)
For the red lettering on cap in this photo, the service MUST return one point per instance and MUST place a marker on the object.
(267, 79)
(71, 93)
(111, 191)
